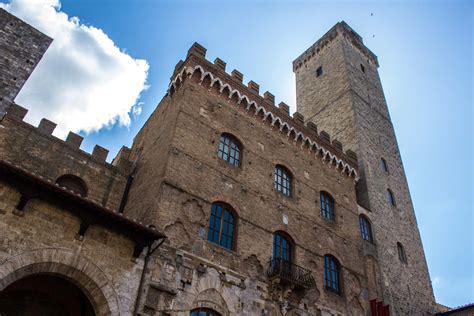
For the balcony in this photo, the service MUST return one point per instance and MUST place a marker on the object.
(285, 272)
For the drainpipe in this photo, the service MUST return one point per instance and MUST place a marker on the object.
(149, 253)
(125, 194)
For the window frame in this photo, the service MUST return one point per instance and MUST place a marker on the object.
(327, 206)
(222, 227)
(207, 311)
(228, 148)
(366, 228)
(290, 244)
(332, 274)
(283, 180)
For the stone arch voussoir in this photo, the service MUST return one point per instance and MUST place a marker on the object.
(68, 264)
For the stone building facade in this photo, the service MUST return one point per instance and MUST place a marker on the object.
(224, 205)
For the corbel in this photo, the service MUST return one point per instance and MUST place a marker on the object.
(24, 198)
(84, 226)
(137, 250)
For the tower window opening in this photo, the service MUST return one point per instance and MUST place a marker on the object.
(401, 253)
(391, 198)
(362, 68)
(384, 165)
(319, 71)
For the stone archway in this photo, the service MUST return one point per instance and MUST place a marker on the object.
(68, 265)
(211, 299)
(44, 294)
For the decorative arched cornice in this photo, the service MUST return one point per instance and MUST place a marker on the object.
(298, 137)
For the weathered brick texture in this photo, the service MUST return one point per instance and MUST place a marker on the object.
(21, 48)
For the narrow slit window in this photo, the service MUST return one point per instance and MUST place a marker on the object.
(384, 165)
(401, 253)
(319, 71)
(391, 198)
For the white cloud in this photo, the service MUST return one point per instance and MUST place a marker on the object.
(84, 81)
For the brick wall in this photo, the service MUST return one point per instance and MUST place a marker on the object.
(179, 200)
(36, 150)
(21, 48)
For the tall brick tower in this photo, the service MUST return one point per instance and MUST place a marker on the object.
(339, 89)
(21, 49)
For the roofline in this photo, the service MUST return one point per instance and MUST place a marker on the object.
(82, 207)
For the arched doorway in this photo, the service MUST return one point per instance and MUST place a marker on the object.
(44, 294)
(66, 264)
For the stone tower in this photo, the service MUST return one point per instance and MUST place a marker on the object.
(21, 48)
(339, 89)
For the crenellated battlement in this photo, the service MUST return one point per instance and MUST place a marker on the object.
(344, 30)
(230, 86)
(73, 141)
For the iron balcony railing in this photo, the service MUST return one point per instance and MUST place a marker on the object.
(289, 272)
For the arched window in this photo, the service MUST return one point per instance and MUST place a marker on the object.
(204, 312)
(391, 198)
(401, 253)
(332, 280)
(222, 225)
(73, 183)
(365, 228)
(229, 149)
(327, 206)
(282, 180)
(282, 247)
(384, 165)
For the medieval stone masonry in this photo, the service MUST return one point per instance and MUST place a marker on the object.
(224, 205)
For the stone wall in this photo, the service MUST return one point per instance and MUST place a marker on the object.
(35, 149)
(348, 101)
(179, 203)
(44, 240)
(21, 48)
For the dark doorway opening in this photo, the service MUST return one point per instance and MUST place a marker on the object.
(44, 294)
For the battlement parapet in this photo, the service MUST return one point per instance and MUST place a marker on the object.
(253, 86)
(231, 87)
(73, 141)
(341, 29)
(122, 159)
(220, 63)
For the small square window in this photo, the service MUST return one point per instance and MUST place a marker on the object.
(319, 71)
(362, 68)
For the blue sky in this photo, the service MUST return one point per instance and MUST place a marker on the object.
(425, 50)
